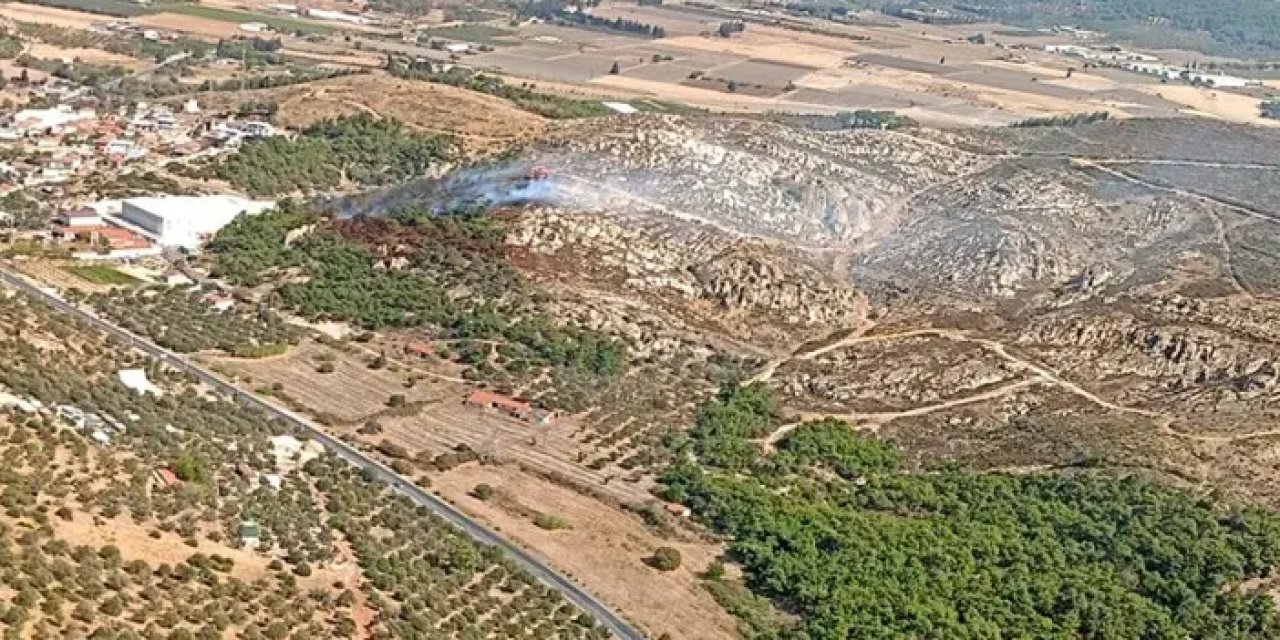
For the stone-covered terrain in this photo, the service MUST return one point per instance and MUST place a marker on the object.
(1011, 298)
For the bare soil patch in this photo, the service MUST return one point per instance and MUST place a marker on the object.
(49, 15)
(351, 393)
(53, 273)
(479, 121)
(92, 56)
(1212, 103)
(191, 24)
(603, 549)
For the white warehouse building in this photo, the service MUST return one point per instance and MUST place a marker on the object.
(186, 221)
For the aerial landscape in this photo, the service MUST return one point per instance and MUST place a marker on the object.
(639, 319)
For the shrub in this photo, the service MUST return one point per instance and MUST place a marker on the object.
(482, 492)
(189, 468)
(550, 522)
(715, 571)
(665, 559)
(392, 450)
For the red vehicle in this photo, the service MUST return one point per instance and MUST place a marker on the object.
(539, 173)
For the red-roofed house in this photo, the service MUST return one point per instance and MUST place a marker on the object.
(166, 477)
(489, 400)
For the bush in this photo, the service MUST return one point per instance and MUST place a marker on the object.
(396, 401)
(325, 367)
(665, 559)
(189, 468)
(550, 522)
(482, 492)
(392, 450)
(715, 571)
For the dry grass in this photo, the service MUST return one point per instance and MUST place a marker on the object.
(603, 549)
(49, 15)
(1213, 103)
(350, 394)
(92, 56)
(479, 121)
(205, 27)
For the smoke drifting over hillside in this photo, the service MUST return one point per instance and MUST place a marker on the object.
(502, 185)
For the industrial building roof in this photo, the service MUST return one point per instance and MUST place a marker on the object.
(199, 207)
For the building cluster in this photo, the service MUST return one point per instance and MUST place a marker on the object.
(146, 226)
(347, 17)
(1150, 65)
(53, 149)
(99, 427)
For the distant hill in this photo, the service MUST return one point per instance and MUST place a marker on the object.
(1230, 27)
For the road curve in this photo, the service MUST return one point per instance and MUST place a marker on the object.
(616, 625)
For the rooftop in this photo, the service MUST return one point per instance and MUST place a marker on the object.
(199, 207)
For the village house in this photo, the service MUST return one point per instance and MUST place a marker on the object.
(519, 409)
(165, 477)
(250, 534)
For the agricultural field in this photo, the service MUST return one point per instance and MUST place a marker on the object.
(56, 273)
(474, 33)
(340, 387)
(113, 8)
(604, 549)
(481, 123)
(101, 274)
(186, 321)
(929, 73)
(107, 545)
(48, 15)
(279, 23)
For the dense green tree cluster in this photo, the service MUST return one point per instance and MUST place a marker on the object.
(252, 51)
(252, 245)
(581, 18)
(833, 529)
(362, 149)
(79, 72)
(23, 209)
(458, 283)
(1240, 26)
(10, 45)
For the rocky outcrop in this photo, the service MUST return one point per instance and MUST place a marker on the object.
(755, 282)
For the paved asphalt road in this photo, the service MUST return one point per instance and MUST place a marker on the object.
(441, 508)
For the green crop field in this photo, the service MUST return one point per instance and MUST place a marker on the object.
(101, 274)
(475, 33)
(279, 23)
